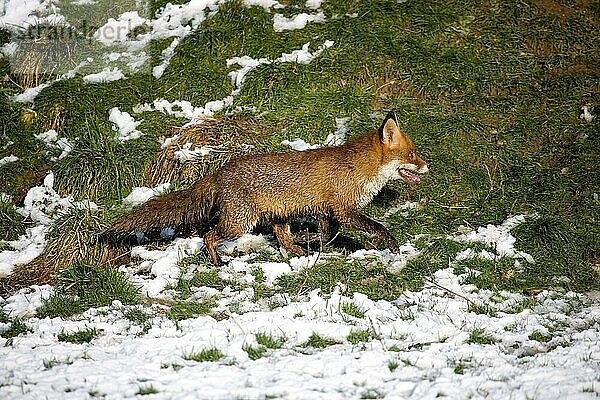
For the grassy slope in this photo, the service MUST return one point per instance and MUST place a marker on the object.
(490, 92)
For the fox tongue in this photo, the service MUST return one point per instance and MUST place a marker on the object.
(409, 176)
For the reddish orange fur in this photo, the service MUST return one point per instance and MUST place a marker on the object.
(275, 187)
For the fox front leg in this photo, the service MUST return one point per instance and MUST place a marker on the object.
(284, 237)
(366, 224)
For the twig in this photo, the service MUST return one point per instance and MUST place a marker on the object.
(230, 315)
(450, 291)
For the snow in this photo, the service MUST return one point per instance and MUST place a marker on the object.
(29, 94)
(108, 74)
(124, 124)
(281, 23)
(266, 4)
(167, 54)
(8, 159)
(15, 14)
(142, 194)
(333, 139)
(50, 137)
(42, 205)
(248, 64)
(194, 114)
(586, 114)
(339, 136)
(186, 154)
(424, 335)
(299, 144)
(314, 4)
(498, 237)
(402, 209)
(117, 30)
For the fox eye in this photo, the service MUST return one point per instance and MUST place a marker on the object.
(411, 155)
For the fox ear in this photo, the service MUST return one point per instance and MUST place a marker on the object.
(389, 132)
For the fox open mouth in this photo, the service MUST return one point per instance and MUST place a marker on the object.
(409, 176)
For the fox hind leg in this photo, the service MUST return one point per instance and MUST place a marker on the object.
(226, 228)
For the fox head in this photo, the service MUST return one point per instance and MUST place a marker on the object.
(399, 152)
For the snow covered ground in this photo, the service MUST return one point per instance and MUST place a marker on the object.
(423, 345)
(418, 347)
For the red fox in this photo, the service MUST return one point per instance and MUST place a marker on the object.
(272, 188)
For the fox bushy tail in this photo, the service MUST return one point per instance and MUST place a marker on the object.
(182, 210)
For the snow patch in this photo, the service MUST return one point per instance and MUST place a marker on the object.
(497, 237)
(8, 159)
(167, 54)
(586, 114)
(142, 194)
(50, 137)
(314, 4)
(29, 94)
(333, 139)
(266, 4)
(299, 144)
(108, 74)
(124, 124)
(281, 23)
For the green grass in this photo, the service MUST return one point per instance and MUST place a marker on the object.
(353, 310)
(540, 337)
(139, 317)
(490, 93)
(208, 278)
(82, 336)
(189, 309)
(16, 328)
(357, 336)
(372, 279)
(319, 342)
(254, 352)
(145, 390)
(479, 336)
(209, 354)
(268, 341)
(83, 286)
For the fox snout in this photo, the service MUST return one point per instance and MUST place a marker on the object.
(421, 164)
(409, 171)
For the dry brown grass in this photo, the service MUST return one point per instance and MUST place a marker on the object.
(45, 51)
(73, 239)
(229, 137)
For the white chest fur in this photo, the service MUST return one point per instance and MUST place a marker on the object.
(371, 187)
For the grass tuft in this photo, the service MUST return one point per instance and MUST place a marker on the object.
(353, 310)
(99, 167)
(71, 241)
(210, 354)
(479, 336)
(139, 317)
(269, 341)
(319, 342)
(357, 336)
(16, 328)
(83, 286)
(189, 309)
(82, 336)
(146, 390)
(254, 353)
